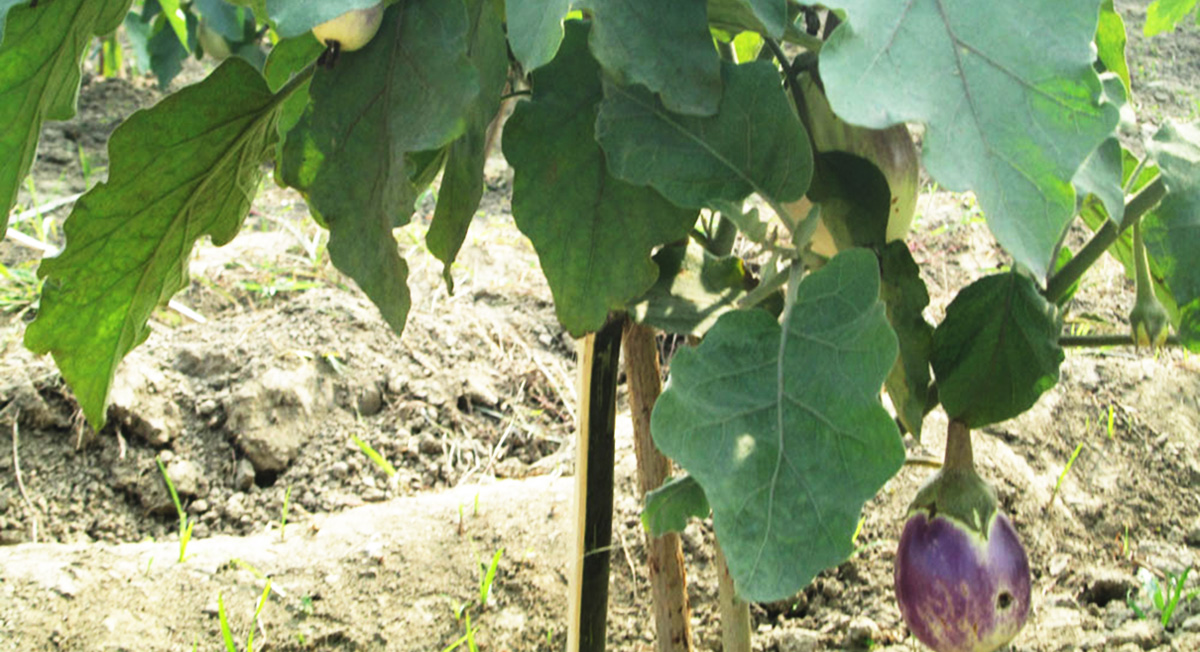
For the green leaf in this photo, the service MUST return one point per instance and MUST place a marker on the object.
(1172, 231)
(669, 507)
(593, 232)
(767, 17)
(1189, 326)
(462, 180)
(1100, 175)
(223, 18)
(906, 298)
(347, 153)
(667, 49)
(1110, 42)
(1006, 90)
(295, 17)
(1165, 15)
(755, 143)
(694, 288)
(783, 427)
(535, 29)
(166, 54)
(996, 351)
(178, 20)
(286, 59)
(39, 76)
(186, 168)
(855, 199)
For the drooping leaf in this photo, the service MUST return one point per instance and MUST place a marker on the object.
(669, 507)
(905, 296)
(665, 47)
(996, 351)
(767, 17)
(347, 154)
(39, 75)
(1010, 103)
(694, 288)
(462, 180)
(1110, 42)
(1100, 175)
(535, 29)
(593, 233)
(1165, 15)
(783, 427)
(294, 17)
(1172, 231)
(186, 168)
(755, 143)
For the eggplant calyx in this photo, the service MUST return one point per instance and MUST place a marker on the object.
(959, 495)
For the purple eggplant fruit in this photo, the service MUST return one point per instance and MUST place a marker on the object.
(962, 575)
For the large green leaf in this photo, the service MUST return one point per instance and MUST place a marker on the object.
(783, 427)
(1100, 176)
(1172, 231)
(755, 143)
(593, 232)
(664, 46)
(186, 168)
(462, 180)
(535, 28)
(669, 507)
(906, 298)
(694, 288)
(295, 17)
(1164, 15)
(996, 351)
(1007, 92)
(347, 153)
(39, 75)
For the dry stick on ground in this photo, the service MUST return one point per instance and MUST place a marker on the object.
(16, 440)
(664, 555)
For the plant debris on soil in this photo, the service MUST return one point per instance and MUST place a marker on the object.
(264, 405)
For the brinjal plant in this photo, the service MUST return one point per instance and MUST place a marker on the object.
(742, 173)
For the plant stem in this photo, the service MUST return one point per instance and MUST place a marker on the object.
(724, 236)
(1097, 341)
(735, 614)
(588, 599)
(1137, 206)
(958, 448)
(664, 555)
(1142, 263)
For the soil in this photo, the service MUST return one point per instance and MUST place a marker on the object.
(257, 409)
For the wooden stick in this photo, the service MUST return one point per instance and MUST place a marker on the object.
(588, 599)
(664, 555)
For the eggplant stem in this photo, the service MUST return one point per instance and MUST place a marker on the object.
(958, 448)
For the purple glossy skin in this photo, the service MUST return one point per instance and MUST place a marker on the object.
(957, 592)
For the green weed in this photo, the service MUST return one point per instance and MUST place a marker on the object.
(287, 497)
(1063, 476)
(227, 633)
(185, 524)
(1165, 596)
(378, 459)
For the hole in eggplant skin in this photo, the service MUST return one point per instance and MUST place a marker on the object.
(1004, 600)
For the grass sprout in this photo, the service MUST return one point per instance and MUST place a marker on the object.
(378, 459)
(1165, 596)
(287, 497)
(1063, 476)
(485, 582)
(227, 632)
(185, 524)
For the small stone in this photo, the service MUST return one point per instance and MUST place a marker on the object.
(206, 407)
(799, 640)
(428, 444)
(200, 531)
(198, 506)
(339, 470)
(1192, 538)
(243, 478)
(862, 632)
(187, 478)
(4, 500)
(370, 400)
(166, 456)
(1192, 624)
